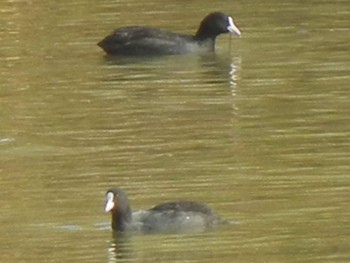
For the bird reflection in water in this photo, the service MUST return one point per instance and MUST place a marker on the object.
(119, 248)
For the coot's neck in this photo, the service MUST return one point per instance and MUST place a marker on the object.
(121, 218)
(204, 33)
(206, 42)
(205, 37)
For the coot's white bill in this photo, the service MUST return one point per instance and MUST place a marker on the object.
(232, 27)
(109, 202)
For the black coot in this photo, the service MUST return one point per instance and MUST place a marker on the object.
(173, 217)
(144, 41)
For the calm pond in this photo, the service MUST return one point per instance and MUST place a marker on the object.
(259, 131)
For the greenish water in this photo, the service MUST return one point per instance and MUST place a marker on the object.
(260, 131)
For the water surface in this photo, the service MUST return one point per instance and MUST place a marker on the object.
(259, 131)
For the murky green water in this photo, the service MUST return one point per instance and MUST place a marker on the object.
(260, 132)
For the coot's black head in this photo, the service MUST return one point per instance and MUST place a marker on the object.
(215, 24)
(118, 204)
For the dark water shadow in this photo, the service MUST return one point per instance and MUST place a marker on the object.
(212, 68)
(122, 246)
(126, 60)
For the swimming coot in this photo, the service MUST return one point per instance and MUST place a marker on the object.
(173, 217)
(144, 41)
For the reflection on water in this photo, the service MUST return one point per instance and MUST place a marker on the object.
(233, 74)
(120, 248)
(168, 248)
(259, 131)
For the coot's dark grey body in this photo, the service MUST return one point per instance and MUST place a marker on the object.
(180, 216)
(144, 41)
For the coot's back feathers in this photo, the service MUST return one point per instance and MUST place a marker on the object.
(183, 206)
(141, 41)
(144, 41)
(134, 33)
